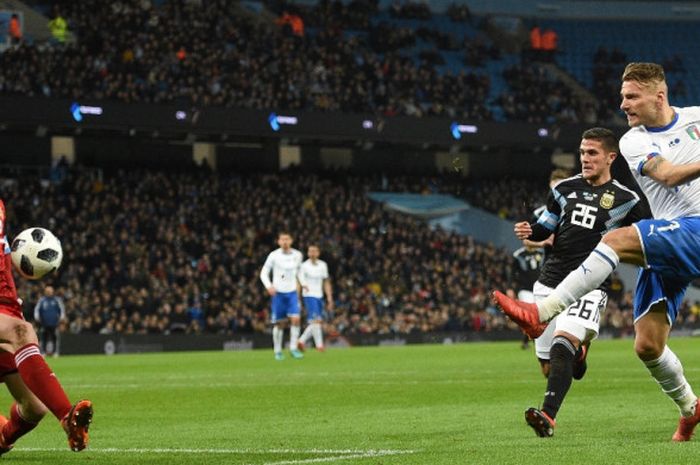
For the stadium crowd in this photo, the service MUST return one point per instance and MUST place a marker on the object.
(148, 252)
(206, 53)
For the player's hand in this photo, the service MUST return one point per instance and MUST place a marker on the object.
(305, 288)
(522, 230)
(549, 241)
(272, 291)
(329, 305)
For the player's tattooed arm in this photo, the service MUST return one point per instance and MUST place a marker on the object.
(669, 174)
(652, 165)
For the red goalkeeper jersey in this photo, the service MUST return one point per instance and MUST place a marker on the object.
(8, 292)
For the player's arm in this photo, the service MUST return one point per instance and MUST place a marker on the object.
(265, 276)
(669, 174)
(532, 233)
(328, 290)
(301, 280)
(531, 245)
(37, 313)
(541, 232)
(299, 272)
(62, 307)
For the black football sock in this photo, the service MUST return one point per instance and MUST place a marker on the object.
(561, 357)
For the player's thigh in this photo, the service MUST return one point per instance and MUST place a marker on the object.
(292, 307)
(314, 309)
(672, 247)
(32, 408)
(544, 343)
(627, 244)
(581, 320)
(283, 305)
(654, 288)
(15, 333)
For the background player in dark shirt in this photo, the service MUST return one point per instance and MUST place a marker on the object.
(529, 259)
(579, 211)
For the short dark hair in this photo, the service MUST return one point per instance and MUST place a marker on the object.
(284, 233)
(605, 136)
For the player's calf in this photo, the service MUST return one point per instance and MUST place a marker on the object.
(580, 365)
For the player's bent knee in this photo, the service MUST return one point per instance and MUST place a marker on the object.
(622, 240)
(20, 333)
(648, 349)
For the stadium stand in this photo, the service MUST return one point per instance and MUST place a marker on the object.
(352, 58)
(141, 268)
(169, 254)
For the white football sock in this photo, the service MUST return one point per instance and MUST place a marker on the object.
(277, 335)
(318, 334)
(294, 337)
(588, 276)
(306, 334)
(668, 372)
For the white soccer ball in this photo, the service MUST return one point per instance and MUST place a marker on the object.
(36, 252)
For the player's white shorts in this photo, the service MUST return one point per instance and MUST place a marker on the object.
(581, 319)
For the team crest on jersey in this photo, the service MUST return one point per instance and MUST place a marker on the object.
(693, 132)
(607, 200)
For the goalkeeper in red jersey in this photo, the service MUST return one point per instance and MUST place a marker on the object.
(24, 371)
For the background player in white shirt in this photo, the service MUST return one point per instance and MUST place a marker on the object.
(315, 281)
(662, 149)
(284, 263)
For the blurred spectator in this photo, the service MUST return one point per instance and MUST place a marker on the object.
(58, 26)
(15, 30)
(459, 13)
(144, 244)
(535, 43)
(292, 23)
(549, 44)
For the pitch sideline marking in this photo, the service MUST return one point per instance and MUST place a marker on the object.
(339, 454)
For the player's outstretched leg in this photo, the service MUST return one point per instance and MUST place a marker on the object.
(540, 422)
(76, 425)
(524, 314)
(13, 428)
(580, 365)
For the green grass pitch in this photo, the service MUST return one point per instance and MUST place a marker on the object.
(452, 404)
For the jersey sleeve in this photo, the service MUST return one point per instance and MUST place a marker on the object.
(549, 218)
(638, 148)
(640, 211)
(265, 272)
(325, 271)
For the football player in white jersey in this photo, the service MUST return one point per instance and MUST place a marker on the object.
(284, 263)
(315, 281)
(662, 149)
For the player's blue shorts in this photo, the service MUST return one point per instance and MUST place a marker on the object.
(672, 252)
(284, 305)
(314, 308)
